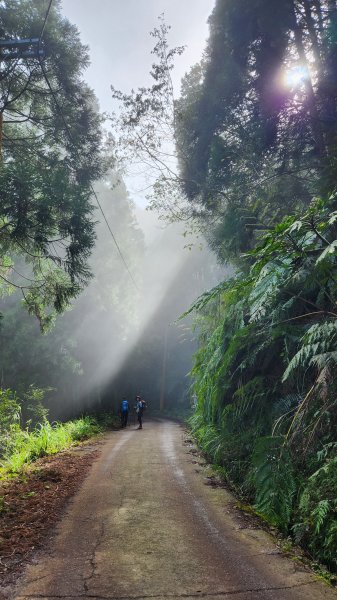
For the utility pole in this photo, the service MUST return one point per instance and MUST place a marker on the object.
(25, 48)
(163, 372)
(1, 130)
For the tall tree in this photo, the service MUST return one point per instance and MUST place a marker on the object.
(258, 124)
(144, 130)
(50, 155)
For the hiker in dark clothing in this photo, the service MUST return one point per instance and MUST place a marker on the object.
(140, 405)
(124, 412)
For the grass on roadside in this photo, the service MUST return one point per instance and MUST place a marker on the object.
(46, 439)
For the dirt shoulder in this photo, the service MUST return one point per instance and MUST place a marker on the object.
(32, 503)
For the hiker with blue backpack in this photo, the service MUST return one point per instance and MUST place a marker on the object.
(124, 412)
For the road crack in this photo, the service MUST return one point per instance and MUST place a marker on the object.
(92, 561)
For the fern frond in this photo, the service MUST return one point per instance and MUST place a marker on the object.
(319, 514)
(274, 479)
(318, 348)
(272, 276)
(283, 409)
(208, 296)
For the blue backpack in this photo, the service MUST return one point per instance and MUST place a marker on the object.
(125, 406)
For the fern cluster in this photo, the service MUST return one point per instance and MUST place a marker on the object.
(264, 376)
(316, 526)
(275, 480)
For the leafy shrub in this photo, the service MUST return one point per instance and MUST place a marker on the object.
(265, 377)
(34, 408)
(274, 480)
(316, 526)
(10, 410)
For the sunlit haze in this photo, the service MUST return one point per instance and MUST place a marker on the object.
(295, 76)
(120, 336)
(118, 36)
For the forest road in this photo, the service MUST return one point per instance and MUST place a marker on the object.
(145, 525)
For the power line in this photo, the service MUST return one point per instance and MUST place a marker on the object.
(69, 134)
(45, 21)
(114, 238)
(91, 187)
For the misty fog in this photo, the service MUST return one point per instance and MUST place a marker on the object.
(121, 336)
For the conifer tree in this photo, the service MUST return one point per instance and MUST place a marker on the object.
(50, 156)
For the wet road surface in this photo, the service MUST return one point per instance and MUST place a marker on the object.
(145, 525)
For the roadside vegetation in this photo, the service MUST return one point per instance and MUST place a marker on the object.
(264, 376)
(24, 441)
(263, 166)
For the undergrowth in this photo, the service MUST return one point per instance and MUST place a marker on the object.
(265, 379)
(24, 447)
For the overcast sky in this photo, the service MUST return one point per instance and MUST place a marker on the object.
(117, 32)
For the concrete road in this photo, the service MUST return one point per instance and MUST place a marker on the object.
(145, 525)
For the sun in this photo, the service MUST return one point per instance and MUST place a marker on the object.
(296, 76)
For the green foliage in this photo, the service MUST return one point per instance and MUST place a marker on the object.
(253, 147)
(264, 377)
(10, 413)
(10, 410)
(50, 158)
(318, 348)
(210, 440)
(316, 525)
(34, 408)
(274, 480)
(83, 428)
(44, 440)
(21, 444)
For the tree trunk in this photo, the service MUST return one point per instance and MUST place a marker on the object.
(312, 103)
(318, 7)
(312, 29)
(163, 373)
